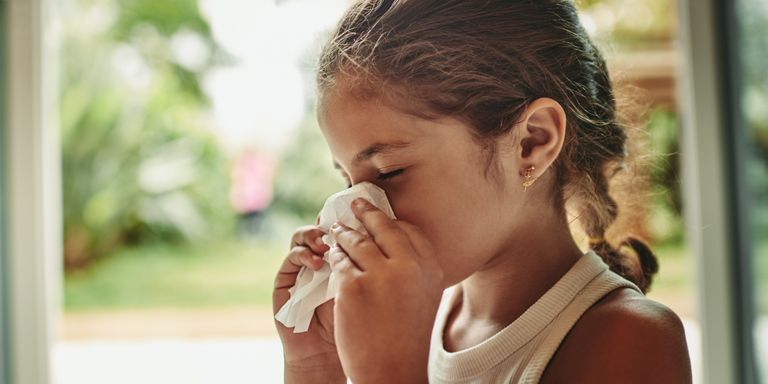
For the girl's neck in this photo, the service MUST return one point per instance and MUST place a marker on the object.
(511, 282)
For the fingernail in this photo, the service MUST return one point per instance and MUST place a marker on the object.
(335, 226)
(316, 258)
(359, 202)
(319, 241)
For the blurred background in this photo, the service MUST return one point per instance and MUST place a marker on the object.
(190, 152)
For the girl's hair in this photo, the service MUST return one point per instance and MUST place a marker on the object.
(483, 62)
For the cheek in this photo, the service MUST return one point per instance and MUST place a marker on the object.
(456, 221)
(426, 211)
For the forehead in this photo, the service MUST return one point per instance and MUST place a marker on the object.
(352, 123)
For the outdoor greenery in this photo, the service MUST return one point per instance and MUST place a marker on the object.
(306, 176)
(140, 163)
(665, 221)
(629, 25)
(224, 273)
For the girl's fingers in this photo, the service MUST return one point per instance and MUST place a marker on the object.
(310, 236)
(298, 235)
(342, 265)
(360, 248)
(385, 232)
(298, 257)
(303, 256)
(286, 277)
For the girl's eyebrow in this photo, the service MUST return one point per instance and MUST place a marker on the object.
(378, 149)
(375, 149)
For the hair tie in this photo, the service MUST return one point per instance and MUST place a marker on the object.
(596, 240)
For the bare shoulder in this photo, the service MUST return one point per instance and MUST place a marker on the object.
(625, 338)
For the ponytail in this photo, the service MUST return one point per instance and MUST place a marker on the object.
(639, 269)
(599, 212)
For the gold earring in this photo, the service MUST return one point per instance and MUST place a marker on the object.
(528, 180)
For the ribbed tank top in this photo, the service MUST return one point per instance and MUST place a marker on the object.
(520, 352)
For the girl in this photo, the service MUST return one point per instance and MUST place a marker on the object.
(486, 122)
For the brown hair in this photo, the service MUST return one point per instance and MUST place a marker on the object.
(483, 62)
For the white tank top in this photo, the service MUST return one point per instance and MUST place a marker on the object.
(522, 350)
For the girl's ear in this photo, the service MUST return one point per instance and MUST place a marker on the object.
(542, 133)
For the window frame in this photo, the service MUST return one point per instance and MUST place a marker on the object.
(32, 192)
(4, 332)
(715, 188)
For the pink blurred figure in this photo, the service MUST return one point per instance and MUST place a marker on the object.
(251, 190)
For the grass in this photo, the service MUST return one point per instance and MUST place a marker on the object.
(217, 274)
(233, 273)
(674, 284)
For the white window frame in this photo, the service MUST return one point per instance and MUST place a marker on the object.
(32, 190)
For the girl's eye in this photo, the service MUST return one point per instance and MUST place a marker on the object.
(387, 176)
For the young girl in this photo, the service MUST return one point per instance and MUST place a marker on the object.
(483, 120)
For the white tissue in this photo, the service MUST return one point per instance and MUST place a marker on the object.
(314, 288)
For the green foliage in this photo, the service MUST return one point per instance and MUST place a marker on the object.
(666, 221)
(630, 24)
(139, 161)
(167, 16)
(664, 132)
(306, 176)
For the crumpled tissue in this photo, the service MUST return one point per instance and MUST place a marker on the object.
(314, 288)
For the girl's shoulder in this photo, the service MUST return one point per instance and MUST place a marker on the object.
(625, 337)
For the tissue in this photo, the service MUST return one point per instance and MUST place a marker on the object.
(314, 288)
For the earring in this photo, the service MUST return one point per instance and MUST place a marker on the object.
(528, 180)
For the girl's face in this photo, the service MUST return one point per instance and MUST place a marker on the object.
(434, 175)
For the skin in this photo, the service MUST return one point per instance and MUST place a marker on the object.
(457, 223)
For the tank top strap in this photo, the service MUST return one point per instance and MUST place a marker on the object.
(602, 284)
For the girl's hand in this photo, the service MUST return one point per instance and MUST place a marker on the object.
(389, 291)
(310, 357)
